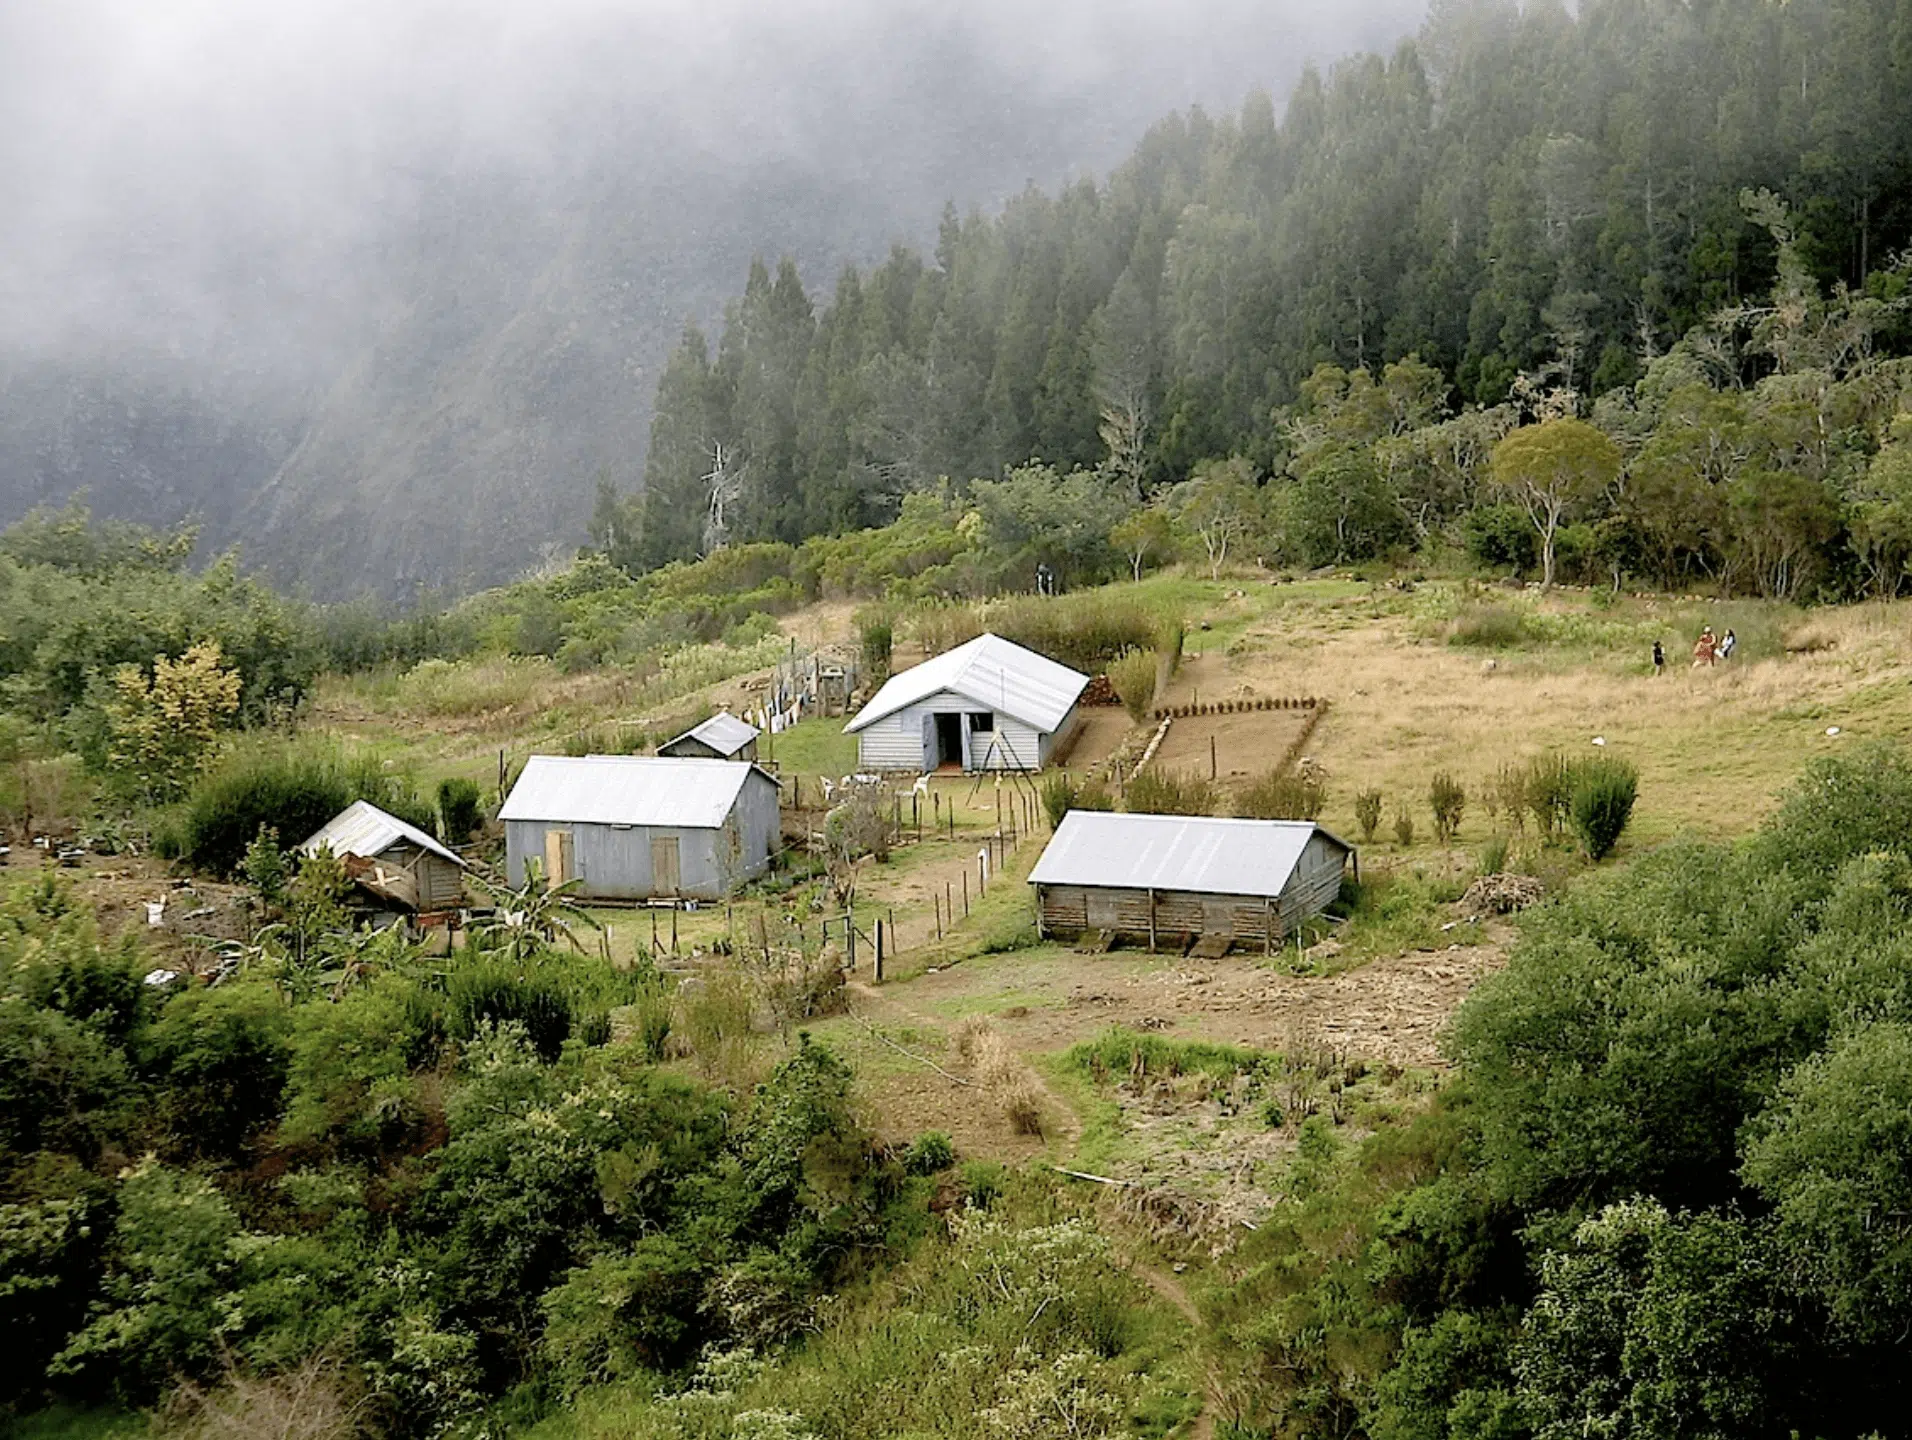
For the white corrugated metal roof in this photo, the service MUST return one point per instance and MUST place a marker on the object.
(997, 674)
(628, 790)
(723, 732)
(363, 829)
(1199, 853)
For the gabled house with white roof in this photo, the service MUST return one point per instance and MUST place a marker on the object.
(635, 827)
(989, 704)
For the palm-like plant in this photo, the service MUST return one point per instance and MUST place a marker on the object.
(532, 915)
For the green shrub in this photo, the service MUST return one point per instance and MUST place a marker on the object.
(1284, 795)
(1367, 813)
(460, 809)
(1602, 802)
(1547, 790)
(497, 995)
(1132, 674)
(1058, 792)
(1490, 627)
(1092, 794)
(876, 635)
(1170, 636)
(265, 866)
(1160, 792)
(929, 1153)
(1449, 802)
(1493, 856)
(983, 1183)
(292, 789)
(1404, 828)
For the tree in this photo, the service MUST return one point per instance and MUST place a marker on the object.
(1552, 470)
(165, 730)
(1880, 523)
(1215, 506)
(1144, 531)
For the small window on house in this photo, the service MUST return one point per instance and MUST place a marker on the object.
(981, 723)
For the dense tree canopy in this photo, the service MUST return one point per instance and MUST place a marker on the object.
(1517, 192)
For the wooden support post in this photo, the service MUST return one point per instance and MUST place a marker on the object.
(653, 932)
(878, 970)
(892, 930)
(936, 903)
(965, 892)
(673, 929)
(1151, 919)
(1211, 757)
(949, 905)
(849, 939)
(1268, 927)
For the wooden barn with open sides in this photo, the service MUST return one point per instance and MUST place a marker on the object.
(1177, 880)
(392, 860)
(989, 704)
(641, 827)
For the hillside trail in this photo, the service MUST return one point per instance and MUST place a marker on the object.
(1162, 1282)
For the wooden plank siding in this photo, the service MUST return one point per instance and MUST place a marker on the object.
(1173, 917)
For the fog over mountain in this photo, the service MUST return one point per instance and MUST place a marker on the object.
(377, 290)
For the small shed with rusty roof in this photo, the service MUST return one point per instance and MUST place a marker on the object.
(393, 860)
(1178, 879)
(722, 737)
(638, 827)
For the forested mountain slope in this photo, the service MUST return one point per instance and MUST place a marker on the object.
(1517, 191)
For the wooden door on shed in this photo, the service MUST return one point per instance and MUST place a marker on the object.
(664, 872)
(560, 863)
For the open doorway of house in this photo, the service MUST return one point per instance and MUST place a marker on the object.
(949, 740)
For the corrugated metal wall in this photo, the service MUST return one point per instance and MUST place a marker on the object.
(614, 861)
(896, 741)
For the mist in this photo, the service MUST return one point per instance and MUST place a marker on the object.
(244, 211)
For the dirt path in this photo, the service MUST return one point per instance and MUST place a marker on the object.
(885, 1002)
(1170, 1289)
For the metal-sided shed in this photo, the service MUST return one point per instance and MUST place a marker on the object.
(393, 860)
(1171, 879)
(637, 827)
(989, 704)
(722, 737)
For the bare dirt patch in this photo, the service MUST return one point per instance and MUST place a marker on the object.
(1103, 728)
(1244, 744)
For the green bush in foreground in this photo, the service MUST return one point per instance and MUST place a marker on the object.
(293, 789)
(1602, 802)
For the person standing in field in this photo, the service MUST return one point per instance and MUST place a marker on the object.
(1703, 648)
(1659, 658)
(1728, 646)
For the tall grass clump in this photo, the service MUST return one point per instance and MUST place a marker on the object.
(1448, 800)
(1602, 802)
(1170, 636)
(291, 788)
(456, 688)
(1161, 792)
(1132, 674)
(1085, 630)
(1284, 795)
(1489, 627)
